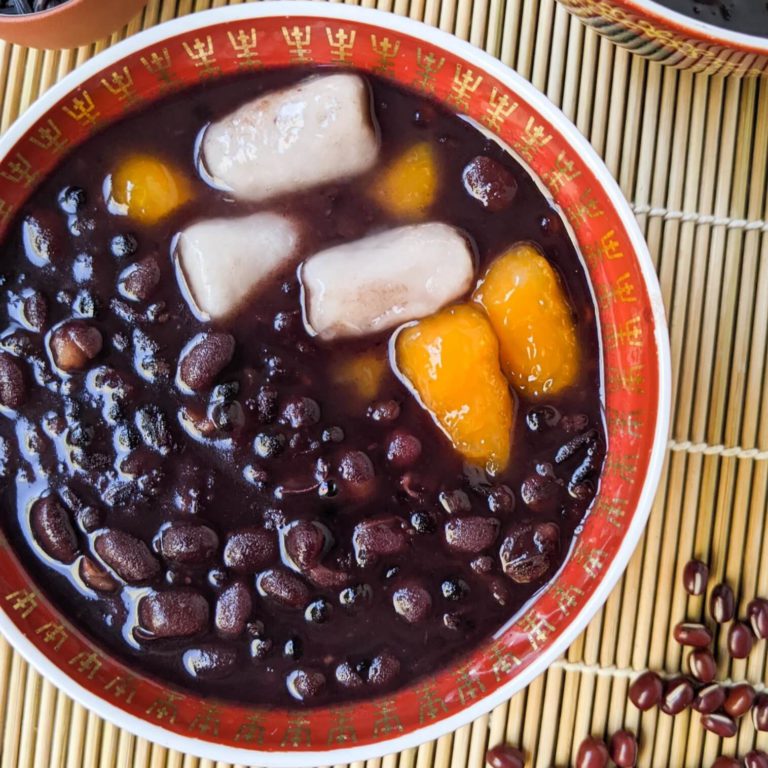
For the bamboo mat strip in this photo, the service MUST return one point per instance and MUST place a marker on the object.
(691, 154)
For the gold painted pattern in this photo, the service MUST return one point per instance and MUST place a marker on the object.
(82, 109)
(427, 65)
(499, 108)
(245, 46)
(49, 137)
(120, 85)
(298, 41)
(203, 55)
(387, 53)
(160, 65)
(342, 43)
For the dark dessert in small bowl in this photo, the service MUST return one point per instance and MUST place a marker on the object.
(333, 380)
(728, 37)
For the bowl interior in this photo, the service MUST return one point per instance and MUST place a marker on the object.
(633, 340)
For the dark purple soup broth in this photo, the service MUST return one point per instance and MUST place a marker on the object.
(228, 487)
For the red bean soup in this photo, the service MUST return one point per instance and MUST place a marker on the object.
(299, 387)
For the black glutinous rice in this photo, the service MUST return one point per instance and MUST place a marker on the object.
(10, 7)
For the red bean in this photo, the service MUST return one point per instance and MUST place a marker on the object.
(757, 613)
(721, 725)
(739, 700)
(305, 684)
(35, 311)
(357, 474)
(623, 749)
(52, 529)
(210, 661)
(740, 640)
(139, 281)
(383, 669)
(188, 543)
(760, 712)
(695, 576)
(726, 762)
(702, 665)
(471, 534)
(283, 587)
(722, 604)
(380, 537)
(128, 556)
(299, 412)
(504, 756)
(248, 550)
(96, 577)
(348, 677)
(489, 182)
(74, 344)
(528, 551)
(13, 388)
(646, 691)
(233, 609)
(403, 450)
(756, 759)
(678, 695)
(304, 542)
(172, 614)
(412, 602)
(204, 358)
(709, 699)
(592, 754)
(689, 633)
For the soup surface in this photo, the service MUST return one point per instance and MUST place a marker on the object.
(254, 483)
(747, 16)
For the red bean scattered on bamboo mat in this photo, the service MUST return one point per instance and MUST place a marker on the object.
(693, 634)
(739, 700)
(623, 749)
(702, 664)
(740, 640)
(726, 762)
(760, 712)
(709, 699)
(593, 753)
(504, 756)
(721, 725)
(722, 604)
(756, 759)
(646, 691)
(695, 576)
(757, 613)
(678, 695)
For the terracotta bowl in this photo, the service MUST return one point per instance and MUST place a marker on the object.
(76, 22)
(654, 31)
(634, 345)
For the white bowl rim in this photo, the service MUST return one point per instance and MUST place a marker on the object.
(307, 759)
(698, 29)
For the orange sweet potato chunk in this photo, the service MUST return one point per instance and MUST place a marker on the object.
(530, 313)
(146, 189)
(408, 186)
(362, 374)
(451, 361)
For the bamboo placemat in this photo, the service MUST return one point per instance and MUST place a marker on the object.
(691, 154)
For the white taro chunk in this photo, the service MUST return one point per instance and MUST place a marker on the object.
(318, 131)
(220, 262)
(386, 279)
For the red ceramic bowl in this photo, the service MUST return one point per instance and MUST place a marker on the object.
(634, 349)
(654, 31)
